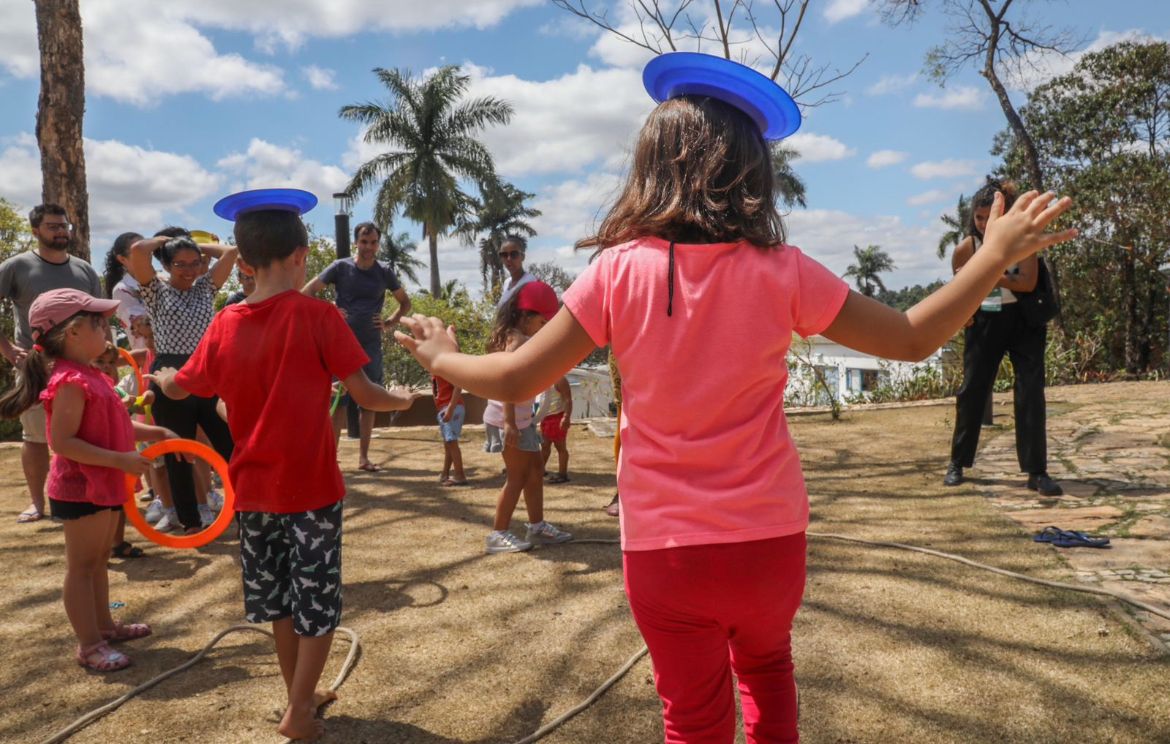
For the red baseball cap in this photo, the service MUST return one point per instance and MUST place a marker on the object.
(539, 298)
(58, 305)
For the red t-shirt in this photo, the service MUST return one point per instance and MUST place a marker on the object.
(443, 391)
(272, 363)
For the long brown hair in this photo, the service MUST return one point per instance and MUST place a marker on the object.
(701, 173)
(508, 317)
(35, 368)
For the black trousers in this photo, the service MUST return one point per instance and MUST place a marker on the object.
(182, 417)
(992, 335)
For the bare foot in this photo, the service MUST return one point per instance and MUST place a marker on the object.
(301, 725)
(323, 698)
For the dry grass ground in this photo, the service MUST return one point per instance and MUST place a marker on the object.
(462, 647)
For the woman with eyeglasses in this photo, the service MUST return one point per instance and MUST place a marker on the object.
(181, 308)
(512, 257)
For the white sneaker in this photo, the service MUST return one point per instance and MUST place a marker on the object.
(543, 533)
(206, 515)
(169, 521)
(155, 511)
(215, 500)
(502, 541)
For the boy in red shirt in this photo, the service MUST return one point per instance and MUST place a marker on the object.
(271, 359)
(451, 413)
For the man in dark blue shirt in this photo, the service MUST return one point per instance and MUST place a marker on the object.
(360, 284)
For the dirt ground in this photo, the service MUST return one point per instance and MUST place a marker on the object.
(459, 647)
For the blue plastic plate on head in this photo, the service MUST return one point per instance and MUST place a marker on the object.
(286, 200)
(689, 73)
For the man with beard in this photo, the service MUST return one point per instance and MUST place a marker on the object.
(360, 284)
(23, 278)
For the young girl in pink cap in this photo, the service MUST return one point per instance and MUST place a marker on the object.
(511, 431)
(697, 293)
(92, 439)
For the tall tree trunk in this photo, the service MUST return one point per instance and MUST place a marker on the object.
(60, 111)
(433, 241)
(1129, 297)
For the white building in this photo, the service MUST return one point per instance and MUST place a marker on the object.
(851, 375)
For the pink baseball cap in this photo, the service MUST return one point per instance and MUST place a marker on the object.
(539, 298)
(58, 305)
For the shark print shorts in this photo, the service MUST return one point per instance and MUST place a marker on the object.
(292, 568)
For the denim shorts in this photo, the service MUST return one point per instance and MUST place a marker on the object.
(453, 428)
(529, 439)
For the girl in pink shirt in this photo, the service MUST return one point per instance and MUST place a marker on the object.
(93, 445)
(697, 293)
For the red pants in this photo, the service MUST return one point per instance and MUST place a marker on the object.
(706, 611)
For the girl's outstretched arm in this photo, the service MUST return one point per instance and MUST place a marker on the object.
(505, 376)
(867, 325)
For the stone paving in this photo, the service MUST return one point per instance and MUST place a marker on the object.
(1109, 447)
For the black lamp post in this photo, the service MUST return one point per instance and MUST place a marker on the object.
(342, 209)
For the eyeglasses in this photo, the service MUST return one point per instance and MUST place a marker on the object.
(510, 254)
(187, 265)
(57, 226)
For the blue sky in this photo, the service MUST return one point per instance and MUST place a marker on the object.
(191, 99)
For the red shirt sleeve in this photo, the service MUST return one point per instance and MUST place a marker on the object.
(340, 350)
(818, 298)
(589, 299)
(196, 375)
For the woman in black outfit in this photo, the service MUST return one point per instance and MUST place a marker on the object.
(1000, 327)
(181, 308)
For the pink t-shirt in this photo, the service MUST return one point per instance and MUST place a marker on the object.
(706, 454)
(104, 423)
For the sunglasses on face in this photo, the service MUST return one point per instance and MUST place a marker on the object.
(509, 254)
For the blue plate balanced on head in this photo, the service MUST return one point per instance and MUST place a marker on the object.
(286, 200)
(689, 73)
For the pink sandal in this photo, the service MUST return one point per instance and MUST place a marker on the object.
(128, 632)
(108, 660)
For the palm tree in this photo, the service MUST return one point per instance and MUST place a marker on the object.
(871, 261)
(431, 133)
(956, 226)
(499, 214)
(398, 254)
(789, 187)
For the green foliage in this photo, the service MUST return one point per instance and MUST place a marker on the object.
(473, 323)
(790, 189)
(430, 133)
(1103, 136)
(871, 261)
(14, 238)
(552, 274)
(397, 252)
(956, 225)
(907, 297)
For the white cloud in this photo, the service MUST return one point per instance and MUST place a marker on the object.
(829, 236)
(573, 209)
(813, 148)
(1041, 66)
(130, 187)
(840, 10)
(885, 158)
(944, 169)
(141, 50)
(552, 130)
(320, 78)
(892, 84)
(265, 165)
(961, 97)
(929, 197)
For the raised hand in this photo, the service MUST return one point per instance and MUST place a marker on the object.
(1022, 230)
(429, 338)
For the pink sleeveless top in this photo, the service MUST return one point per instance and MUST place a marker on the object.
(105, 423)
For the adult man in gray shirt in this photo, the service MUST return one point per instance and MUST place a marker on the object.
(22, 279)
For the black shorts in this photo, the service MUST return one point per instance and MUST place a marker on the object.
(292, 568)
(66, 510)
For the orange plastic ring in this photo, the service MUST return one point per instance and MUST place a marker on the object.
(129, 358)
(189, 446)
